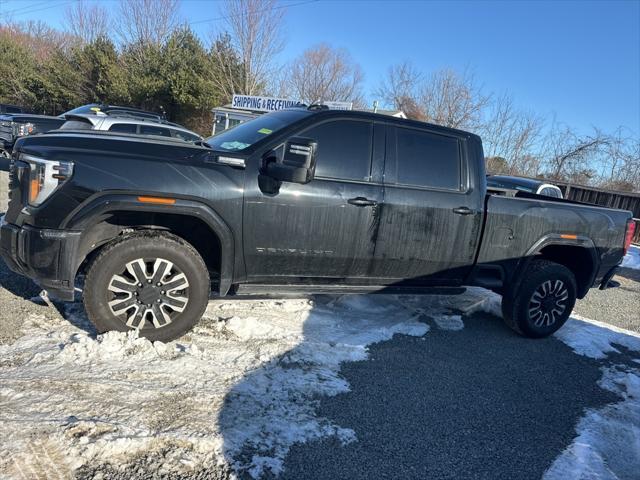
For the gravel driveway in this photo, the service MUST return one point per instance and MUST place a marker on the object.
(618, 306)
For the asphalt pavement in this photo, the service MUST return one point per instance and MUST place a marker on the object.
(480, 403)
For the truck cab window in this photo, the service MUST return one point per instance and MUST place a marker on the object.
(427, 159)
(344, 149)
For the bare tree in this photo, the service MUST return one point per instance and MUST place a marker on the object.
(38, 37)
(453, 100)
(620, 161)
(256, 37)
(146, 21)
(445, 97)
(398, 89)
(86, 22)
(323, 73)
(512, 135)
(570, 156)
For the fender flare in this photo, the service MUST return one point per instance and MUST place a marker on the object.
(98, 208)
(559, 239)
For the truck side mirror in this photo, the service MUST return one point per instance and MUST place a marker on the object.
(298, 163)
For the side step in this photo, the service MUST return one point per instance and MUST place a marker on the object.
(275, 290)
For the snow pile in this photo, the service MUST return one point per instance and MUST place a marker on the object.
(632, 258)
(607, 444)
(246, 379)
(596, 339)
(243, 387)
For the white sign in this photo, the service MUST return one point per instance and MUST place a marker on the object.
(271, 104)
(262, 104)
(339, 105)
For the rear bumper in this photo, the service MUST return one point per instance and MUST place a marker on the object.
(45, 256)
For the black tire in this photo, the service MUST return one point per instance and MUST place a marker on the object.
(543, 301)
(171, 306)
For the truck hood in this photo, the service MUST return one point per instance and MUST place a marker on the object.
(27, 117)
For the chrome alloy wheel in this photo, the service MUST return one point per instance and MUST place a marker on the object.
(548, 303)
(153, 291)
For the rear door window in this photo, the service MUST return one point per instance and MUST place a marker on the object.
(344, 149)
(157, 131)
(426, 159)
(123, 128)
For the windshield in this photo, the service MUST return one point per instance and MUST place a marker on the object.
(91, 108)
(246, 134)
(492, 182)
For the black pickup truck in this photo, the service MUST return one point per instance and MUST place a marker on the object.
(300, 200)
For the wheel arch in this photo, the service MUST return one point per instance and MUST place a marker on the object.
(107, 216)
(577, 253)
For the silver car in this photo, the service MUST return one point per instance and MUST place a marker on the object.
(130, 125)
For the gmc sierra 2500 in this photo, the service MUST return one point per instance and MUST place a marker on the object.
(305, 200)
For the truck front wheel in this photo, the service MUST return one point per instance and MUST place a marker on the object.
(154, 282)
(543, 301)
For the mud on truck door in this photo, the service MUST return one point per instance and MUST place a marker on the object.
(321, 229)
(432, 213)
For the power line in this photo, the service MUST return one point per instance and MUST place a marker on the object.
(23, 8)
(259, 11)
(31, 10)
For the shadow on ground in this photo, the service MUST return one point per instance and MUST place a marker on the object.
(476, 403)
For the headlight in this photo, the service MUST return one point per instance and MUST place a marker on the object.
(45, 176)
(23, 129)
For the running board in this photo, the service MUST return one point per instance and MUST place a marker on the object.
(275, 290)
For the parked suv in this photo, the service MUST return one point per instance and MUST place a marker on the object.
(299, 200)
(15, 125)
(124, 123)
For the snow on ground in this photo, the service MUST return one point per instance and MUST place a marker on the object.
(243, 387)
(632, 258)
(607, 445)
(246, 379)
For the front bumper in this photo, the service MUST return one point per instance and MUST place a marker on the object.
(45, 256)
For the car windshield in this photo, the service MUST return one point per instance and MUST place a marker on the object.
(246, 134)
(91, 108)
(492, 182)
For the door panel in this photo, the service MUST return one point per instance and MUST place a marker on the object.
(308, 231)
(421, 240)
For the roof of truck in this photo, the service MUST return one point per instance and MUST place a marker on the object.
(316, 110)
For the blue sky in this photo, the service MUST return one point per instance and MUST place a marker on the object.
(579, 60)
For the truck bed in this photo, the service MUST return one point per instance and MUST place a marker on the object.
(518, 226)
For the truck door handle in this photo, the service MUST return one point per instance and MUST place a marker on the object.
(463, 211)
(362, 202)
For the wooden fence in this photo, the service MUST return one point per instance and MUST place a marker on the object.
(605, 198)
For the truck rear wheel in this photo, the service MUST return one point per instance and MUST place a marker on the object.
(154, 282)
(543, 301)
